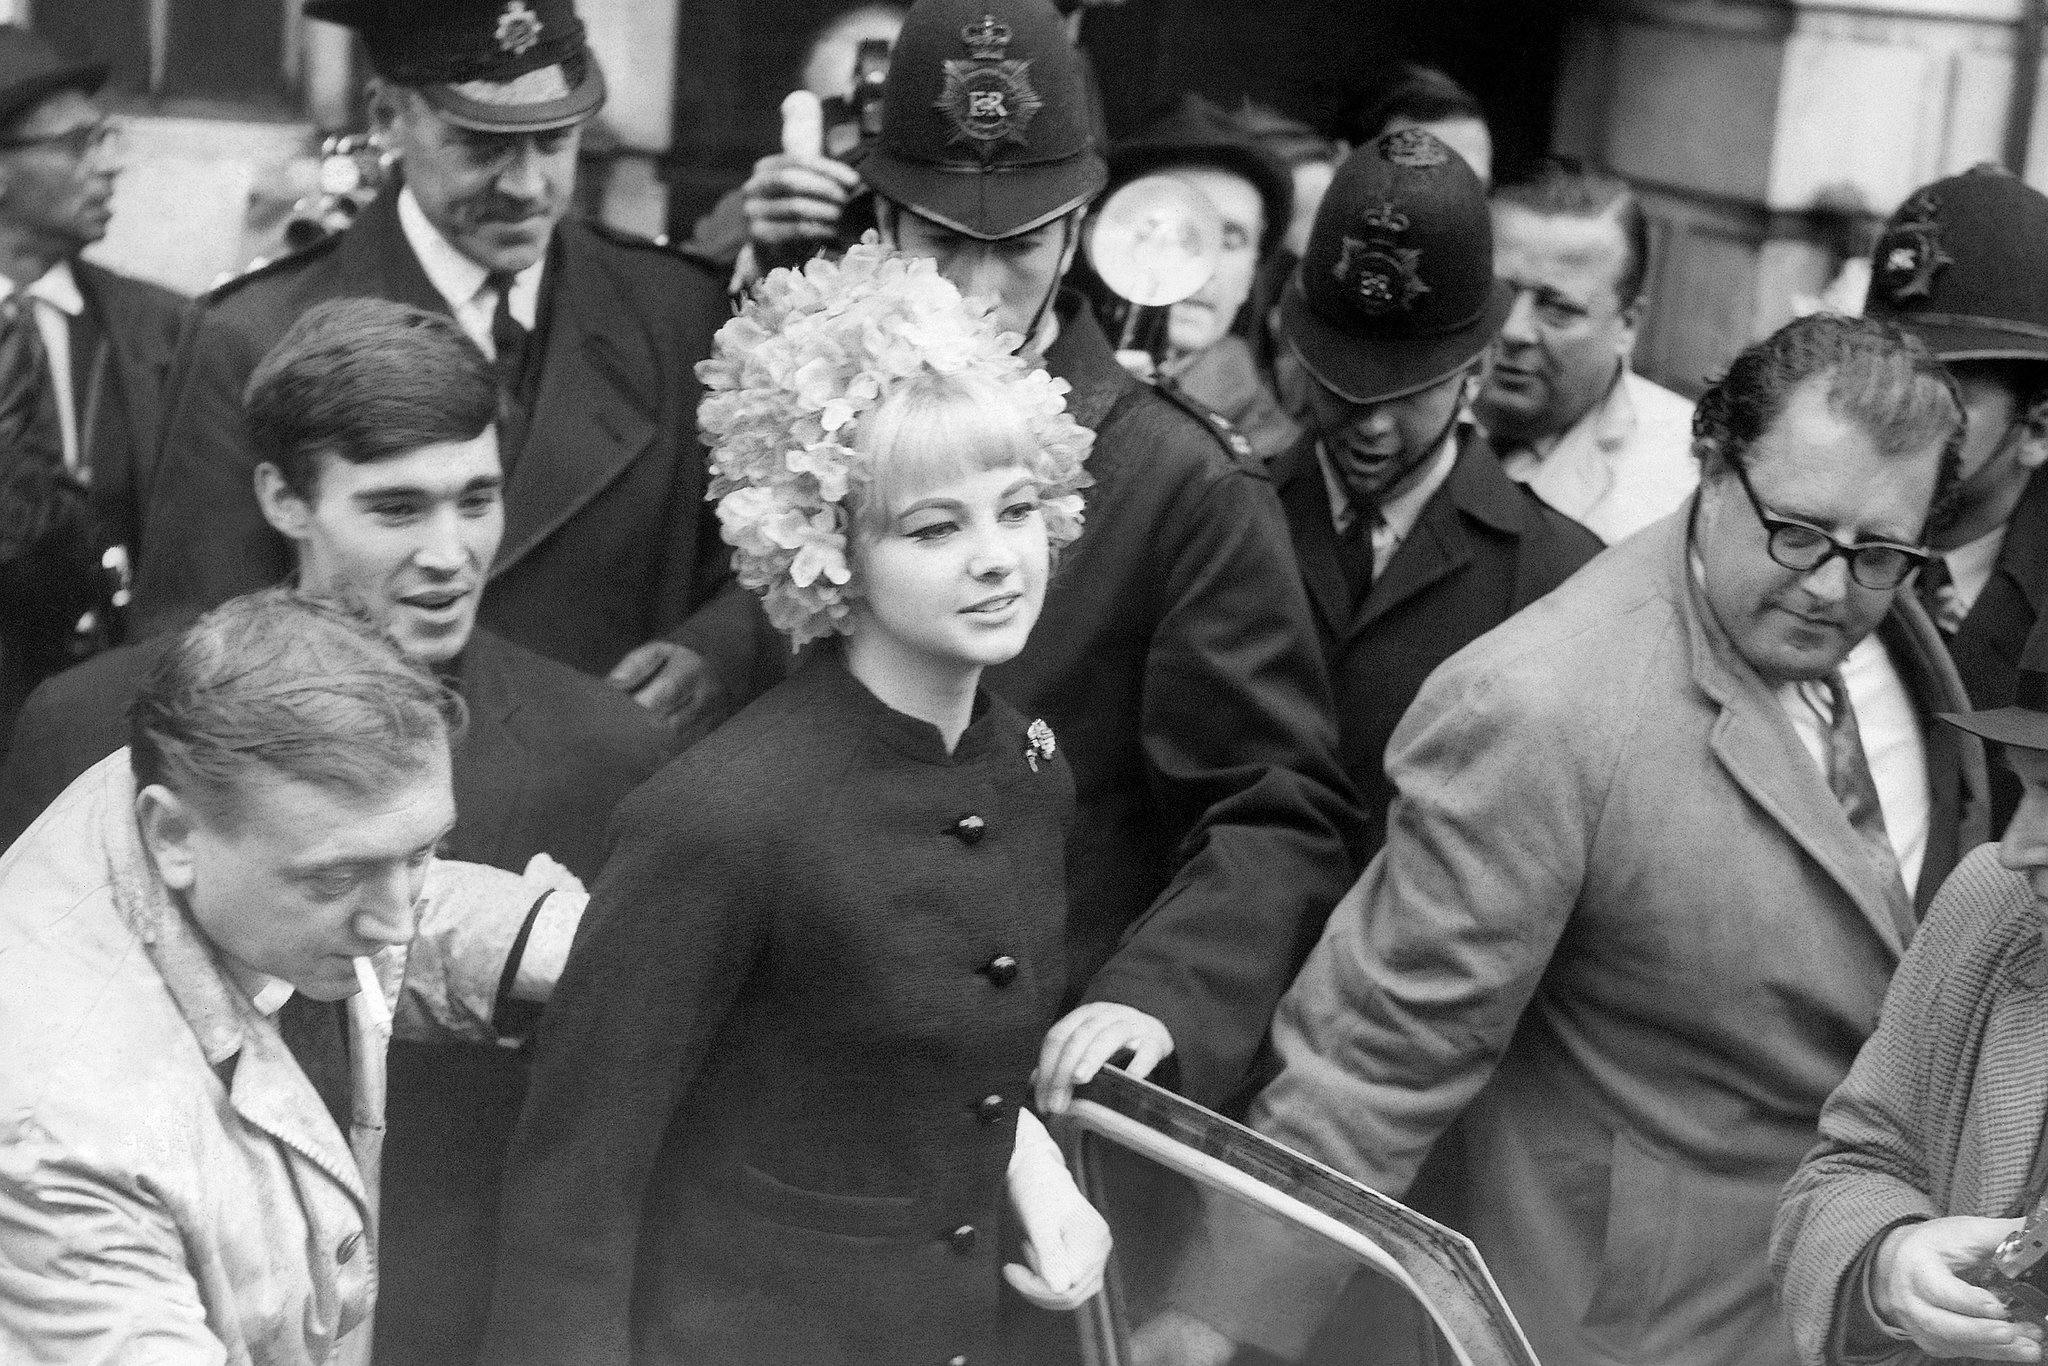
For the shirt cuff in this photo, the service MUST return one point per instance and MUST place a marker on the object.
(1861, 1334)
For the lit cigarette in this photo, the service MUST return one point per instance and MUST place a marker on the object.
(373, 992)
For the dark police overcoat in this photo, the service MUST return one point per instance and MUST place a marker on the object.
(1483, 548)
(777, 1085)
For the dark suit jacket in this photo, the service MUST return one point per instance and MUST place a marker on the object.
(1986, 647)
(1176, 659)
(130, 332)
(761, 1128)
(548, 754)
(1483, 548)
(608, 540)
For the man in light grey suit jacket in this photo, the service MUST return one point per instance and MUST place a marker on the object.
(1623, 923)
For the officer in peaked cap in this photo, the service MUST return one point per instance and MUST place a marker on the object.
(1176, 652)
(1964, 265)
(1411, 539)
(610, 549)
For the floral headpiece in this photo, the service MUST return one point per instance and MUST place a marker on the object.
(786, 386)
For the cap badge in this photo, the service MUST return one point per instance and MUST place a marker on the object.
(518, 28)
(1378, 272)
(1039, 744)
(1909, 255)
(988, 98)
(1413, 148)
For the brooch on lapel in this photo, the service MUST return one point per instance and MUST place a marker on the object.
(1039, 744)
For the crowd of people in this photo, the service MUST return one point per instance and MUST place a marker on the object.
(567, 800)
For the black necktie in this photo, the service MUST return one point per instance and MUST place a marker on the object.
(1354, 555)
(508, 339)
(30, 428)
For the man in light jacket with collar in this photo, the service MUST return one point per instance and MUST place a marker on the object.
(192, 1112)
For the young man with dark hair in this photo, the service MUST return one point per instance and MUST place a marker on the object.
(380, 468)
(1588, 435)
(202, 948)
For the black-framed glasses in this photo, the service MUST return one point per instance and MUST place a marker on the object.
(1804, 547)
(77, 143)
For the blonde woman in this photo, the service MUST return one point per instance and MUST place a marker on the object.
(779, 1113)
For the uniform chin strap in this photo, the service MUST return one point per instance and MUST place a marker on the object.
(1059, 278)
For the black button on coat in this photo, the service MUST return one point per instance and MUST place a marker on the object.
(756, 1096)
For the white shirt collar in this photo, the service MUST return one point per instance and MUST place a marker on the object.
(57, 287)
(454, 276)
(268, 994)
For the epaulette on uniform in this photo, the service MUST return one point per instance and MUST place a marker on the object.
(1235, 443)
(265, 266)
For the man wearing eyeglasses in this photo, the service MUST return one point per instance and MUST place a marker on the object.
(1659, 843)
(609, 543)
(83, 356)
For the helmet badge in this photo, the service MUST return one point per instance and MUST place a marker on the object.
(1909, 255)
(1374, 268)
(518, 28)
(1413, 148)
(987, 96)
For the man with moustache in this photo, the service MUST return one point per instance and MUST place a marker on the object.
(1963, 265)
(1411, 541)
(83, 356)
(1592, 438)
(609, 545)
(378, 465)
(1659, 843)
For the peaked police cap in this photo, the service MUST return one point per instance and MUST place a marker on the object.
(498, 66)
(1396, 292)
(986, 124)
(1963, 265)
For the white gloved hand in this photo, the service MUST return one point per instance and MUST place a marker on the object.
(1066, 1242)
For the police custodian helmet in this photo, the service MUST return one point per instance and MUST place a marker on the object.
(1395, 291)
(1963, 265)
(986, 126)
(497, 66)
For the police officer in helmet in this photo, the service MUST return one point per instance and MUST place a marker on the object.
(1176, 655)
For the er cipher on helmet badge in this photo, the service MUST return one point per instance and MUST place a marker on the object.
(1909, 255)
(518, 28)
(1413, 148)
(988, 96)
(1039, 745)
(1378, 272)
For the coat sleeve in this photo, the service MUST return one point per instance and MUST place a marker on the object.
(1240, 742)
(94, 1269)
(1411, 998)
(665, 948)
(203, 539)
(1882, 1130)
(480, 930)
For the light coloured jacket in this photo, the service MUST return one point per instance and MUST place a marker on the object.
(172, 1190)
(1624, 465)
(1622, 924)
